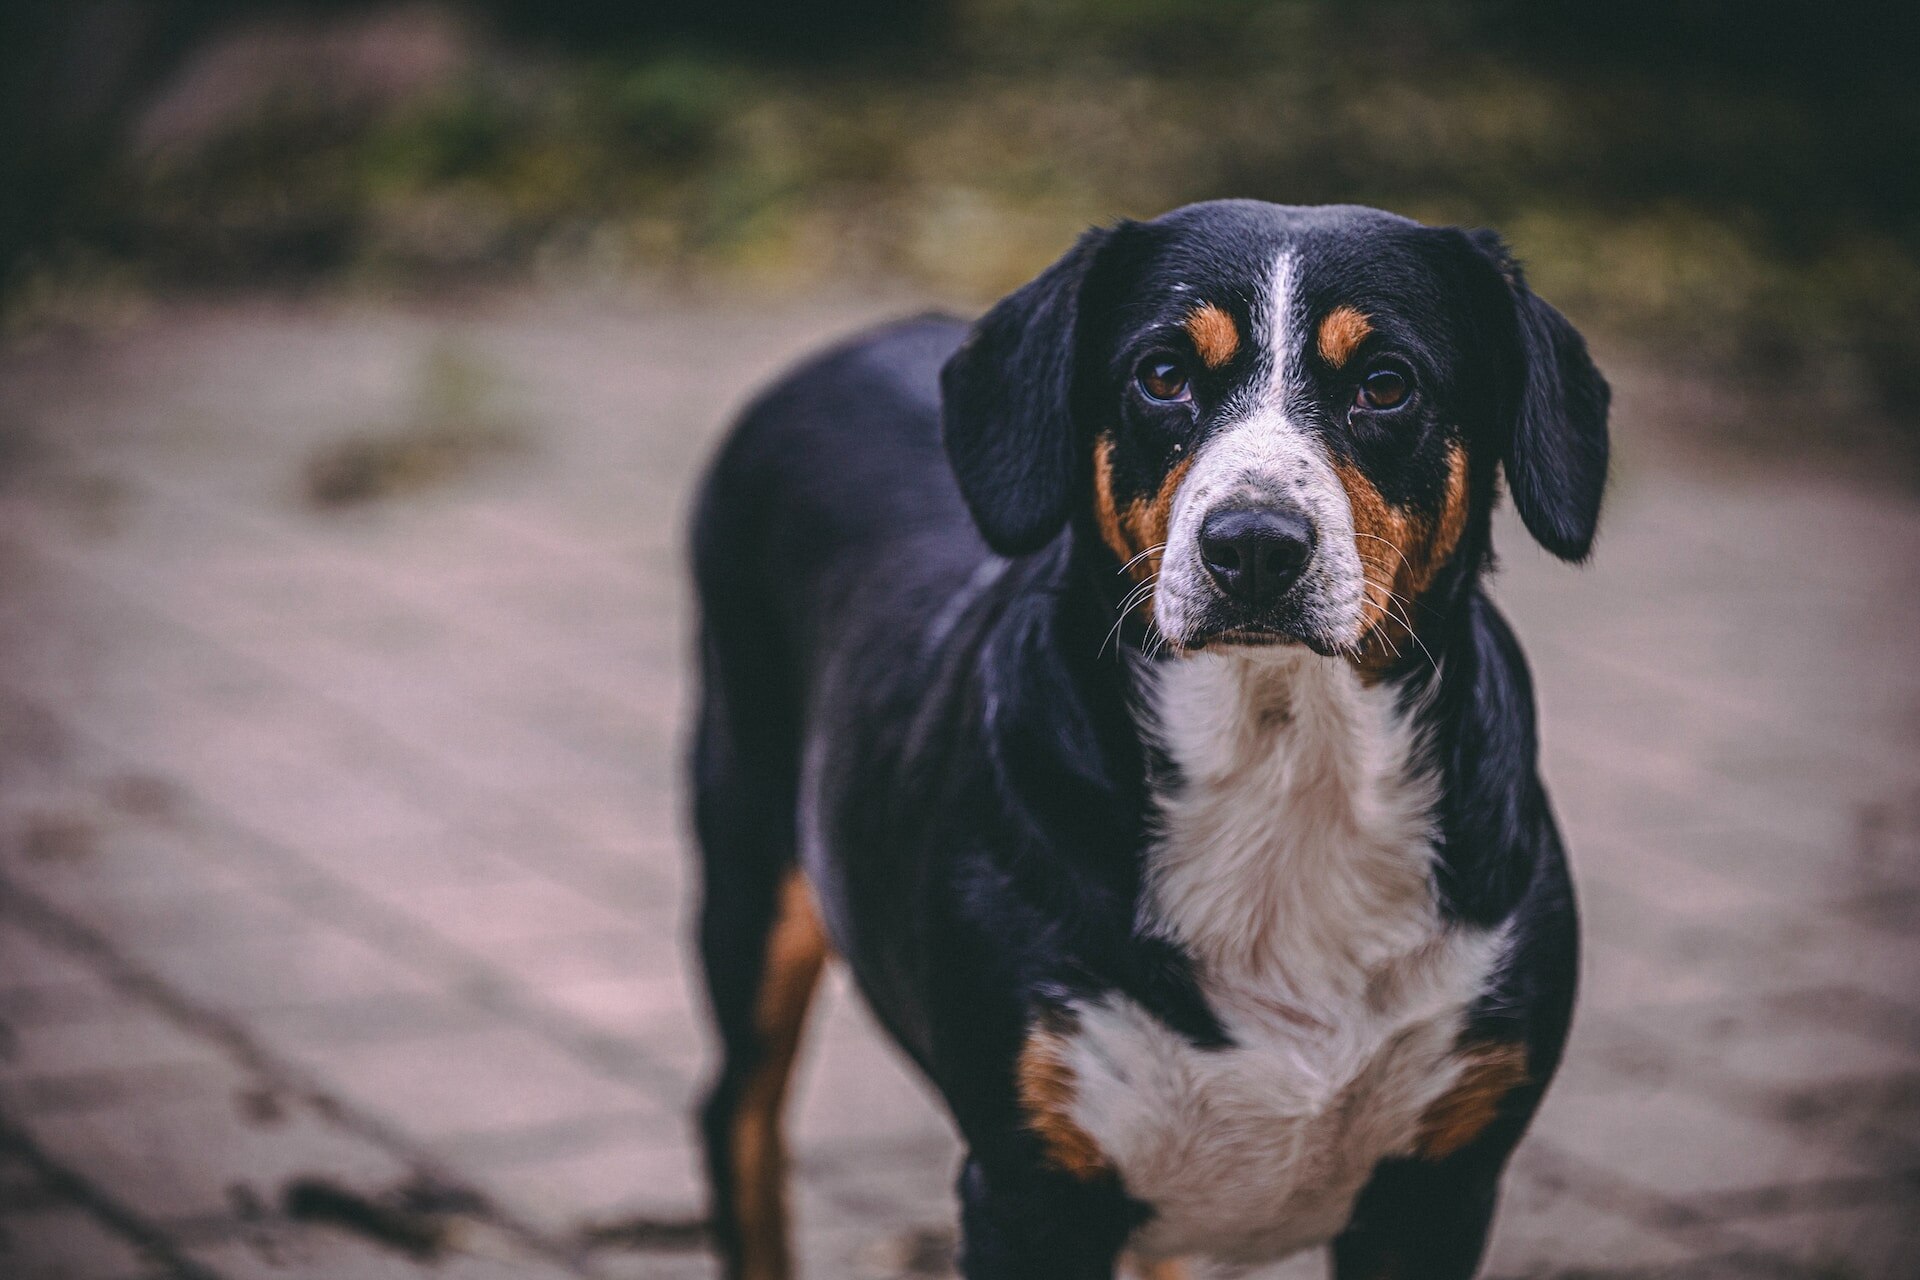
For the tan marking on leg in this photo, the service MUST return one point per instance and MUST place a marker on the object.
(1157, 1268)
(796, 953)
(1342, 330)
(1458, 1116)
(1216, 339)
(1400, 554)
(1046, 1086)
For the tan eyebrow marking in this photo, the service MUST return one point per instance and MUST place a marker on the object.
(1214, 335)
(1341, 332)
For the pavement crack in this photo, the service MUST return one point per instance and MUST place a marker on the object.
(56, 928)
(116, 1217)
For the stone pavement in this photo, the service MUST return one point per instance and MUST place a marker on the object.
(342, 903)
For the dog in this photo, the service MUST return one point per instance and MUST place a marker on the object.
(1112, 685)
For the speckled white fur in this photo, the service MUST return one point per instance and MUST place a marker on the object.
(1294, 866)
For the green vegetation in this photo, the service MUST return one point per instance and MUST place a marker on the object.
(1736, 195)
(454, 426)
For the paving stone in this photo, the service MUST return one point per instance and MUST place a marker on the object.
(911, 1178)
(123, 859)
(1869, 1242)
(1752, 1041)
(655, 1178)
(1618, 976)
(397, 792)
(139, 920)
(182, 1158)
(558, 1139)
(509, 912)
(381, 1018)
(1678, 1145)
(28, 961)
(600, 955)
(654, 1006)
(1684, 886)
(129, 1038)
(854, 1088)
(329, 1254)
(311, 965)
(67, 1244)
(655, 1265)
(496, 1078)
(1539, 1232)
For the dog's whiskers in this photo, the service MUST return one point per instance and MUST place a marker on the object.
(1400, 615)
(1385, 568)
(1133, 600)
(1396, 550)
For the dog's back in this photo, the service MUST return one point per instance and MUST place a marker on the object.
(829, 508)
(839, 463)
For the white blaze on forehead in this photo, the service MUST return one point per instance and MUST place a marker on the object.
(1277, 330)
(1260, 455)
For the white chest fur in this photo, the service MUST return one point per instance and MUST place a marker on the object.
(1294, 866)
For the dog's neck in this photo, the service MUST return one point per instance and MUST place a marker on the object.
(1296, 831)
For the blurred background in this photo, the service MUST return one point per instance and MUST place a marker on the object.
(356, 359)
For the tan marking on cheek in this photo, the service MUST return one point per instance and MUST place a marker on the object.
(1400, 553)
(796, 953)
(1380, 539)
(1341, 332)
(1215, 337)
(1461, 1114)
(1431, 542)
(1452, 523)
(1156, 1268)
(1104, 510)
(1137, 532)
(1046, 1085)
(1147, 519)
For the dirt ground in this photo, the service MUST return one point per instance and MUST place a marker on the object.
(342, 861)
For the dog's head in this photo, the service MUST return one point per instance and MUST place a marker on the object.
(1287, 421)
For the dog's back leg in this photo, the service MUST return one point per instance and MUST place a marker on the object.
(762, 949)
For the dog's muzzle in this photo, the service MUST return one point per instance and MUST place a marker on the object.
(1255, 554)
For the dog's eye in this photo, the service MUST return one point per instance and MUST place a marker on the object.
(1162, 376)
(1383, 389)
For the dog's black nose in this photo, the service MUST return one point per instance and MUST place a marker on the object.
(1255, 553)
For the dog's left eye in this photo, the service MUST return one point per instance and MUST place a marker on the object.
(1162, 376)
(1384, 388)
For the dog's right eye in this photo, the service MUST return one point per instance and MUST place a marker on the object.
(1163, 376)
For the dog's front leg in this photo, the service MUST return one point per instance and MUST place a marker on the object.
(1020, 1222)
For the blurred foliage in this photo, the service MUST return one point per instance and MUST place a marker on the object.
(1732, 185)
(453, 427)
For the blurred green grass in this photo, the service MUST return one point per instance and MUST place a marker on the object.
(455, 425)
(1730, 207)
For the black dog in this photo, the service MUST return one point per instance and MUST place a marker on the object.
(1112, 686)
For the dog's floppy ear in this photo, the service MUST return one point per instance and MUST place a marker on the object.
(1556, 453)
(1007, 407)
